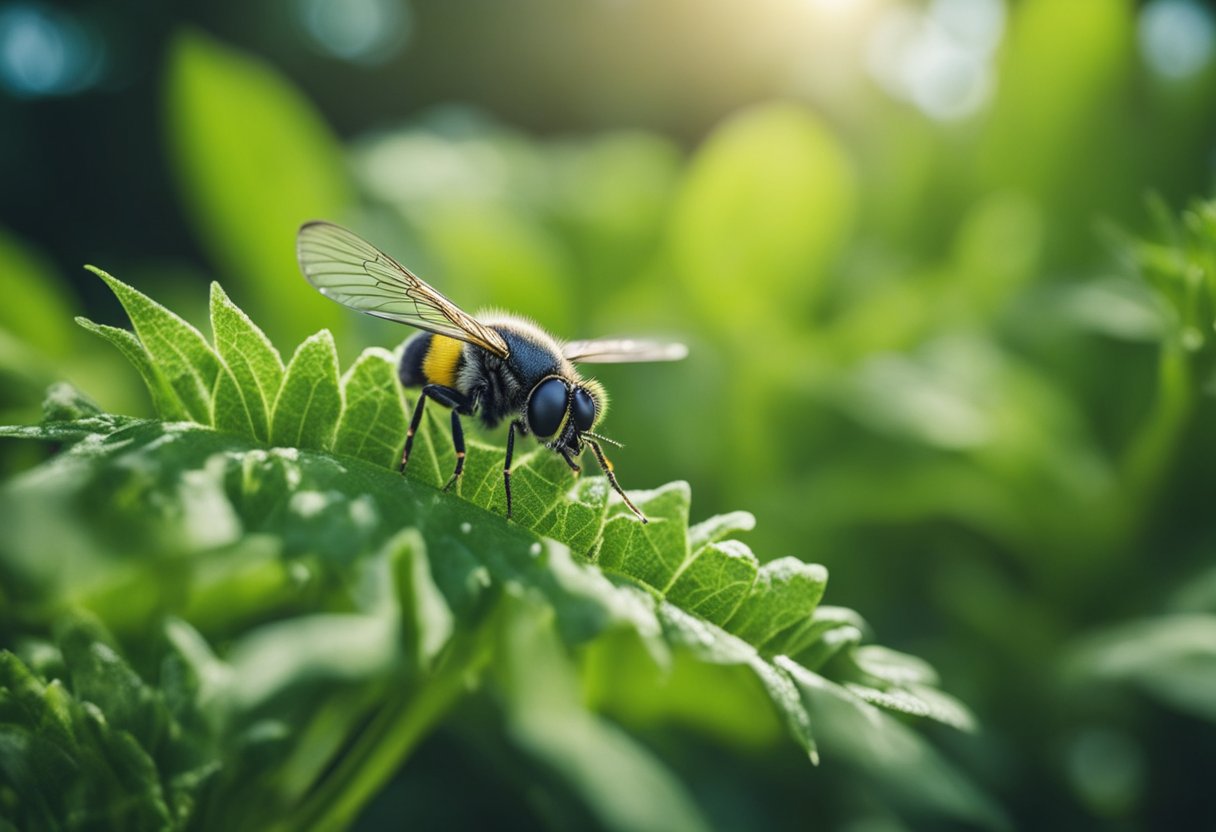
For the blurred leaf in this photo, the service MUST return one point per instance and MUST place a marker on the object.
(766, 205)
(309, 403)
(1060, 65)
(254, 161)
(102, 751)
(500, 257)
(1170, 657)
(879, 747)
(39, 306)
(546, 719)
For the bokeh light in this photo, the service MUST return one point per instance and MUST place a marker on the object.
(939, 59)
(359, 31)
(1176, 37)
(46, 52)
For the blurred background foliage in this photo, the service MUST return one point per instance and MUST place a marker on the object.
(916, 357)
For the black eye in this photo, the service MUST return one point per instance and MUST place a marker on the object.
(584, 409)
(546, 406)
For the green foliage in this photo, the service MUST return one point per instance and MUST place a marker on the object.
(254, 161)
(337, 610)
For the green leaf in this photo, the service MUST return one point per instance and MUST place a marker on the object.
(254, 160)
(547, 720)
(39, 312)
(716, 582)
(374, 420)
(770, 193)
(785, 594)
(165, 400)
(181, 354)
(310, 401)
(246, 393)
(103, 753)
(654, 552)
(1170, 657)
(881, 748)
(330, 578)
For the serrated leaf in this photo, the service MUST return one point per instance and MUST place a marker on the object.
(310, 401)
(784, 595)
(893, 667)
(917, 701)
(884, 749)
(164, 399)
(373, 422)
(719, 527)
(246, 393)
(101, 676)
(711, 644)
(182, 356)
(648, 552)
(406, 572)
(720, 576)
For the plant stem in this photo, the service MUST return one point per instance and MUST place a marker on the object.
(390, 737)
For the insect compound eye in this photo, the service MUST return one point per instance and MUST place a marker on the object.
(584, 409)
(547, 406)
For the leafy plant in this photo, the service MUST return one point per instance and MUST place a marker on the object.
(290, 616)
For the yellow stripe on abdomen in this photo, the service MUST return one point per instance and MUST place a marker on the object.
(439, 366)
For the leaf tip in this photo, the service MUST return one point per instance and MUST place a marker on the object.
(102, 273)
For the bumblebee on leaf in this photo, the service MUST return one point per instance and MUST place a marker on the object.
(497, 367)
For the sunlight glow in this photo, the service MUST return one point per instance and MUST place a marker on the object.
(939, 59)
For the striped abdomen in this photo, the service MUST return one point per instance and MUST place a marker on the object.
(431, 359)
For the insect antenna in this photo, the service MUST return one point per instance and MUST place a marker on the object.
(612, 442)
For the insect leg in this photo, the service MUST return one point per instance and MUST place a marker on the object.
(506, 466)
(409, 434)
(574, 466)
(458, 444)
(448, 397)
(616, 486)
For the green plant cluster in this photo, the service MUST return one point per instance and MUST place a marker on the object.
(911, 357)
(311, 614)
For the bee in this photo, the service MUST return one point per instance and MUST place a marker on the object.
(496, 366)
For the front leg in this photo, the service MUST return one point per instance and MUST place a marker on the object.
(506, 466)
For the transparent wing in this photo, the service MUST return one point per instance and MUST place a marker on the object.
(346, 268)
(623, 350)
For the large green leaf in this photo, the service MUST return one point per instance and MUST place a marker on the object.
(396, 576)
(766, 205)
(254, 161)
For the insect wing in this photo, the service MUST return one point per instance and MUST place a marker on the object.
(624, 351)
(346, 268)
